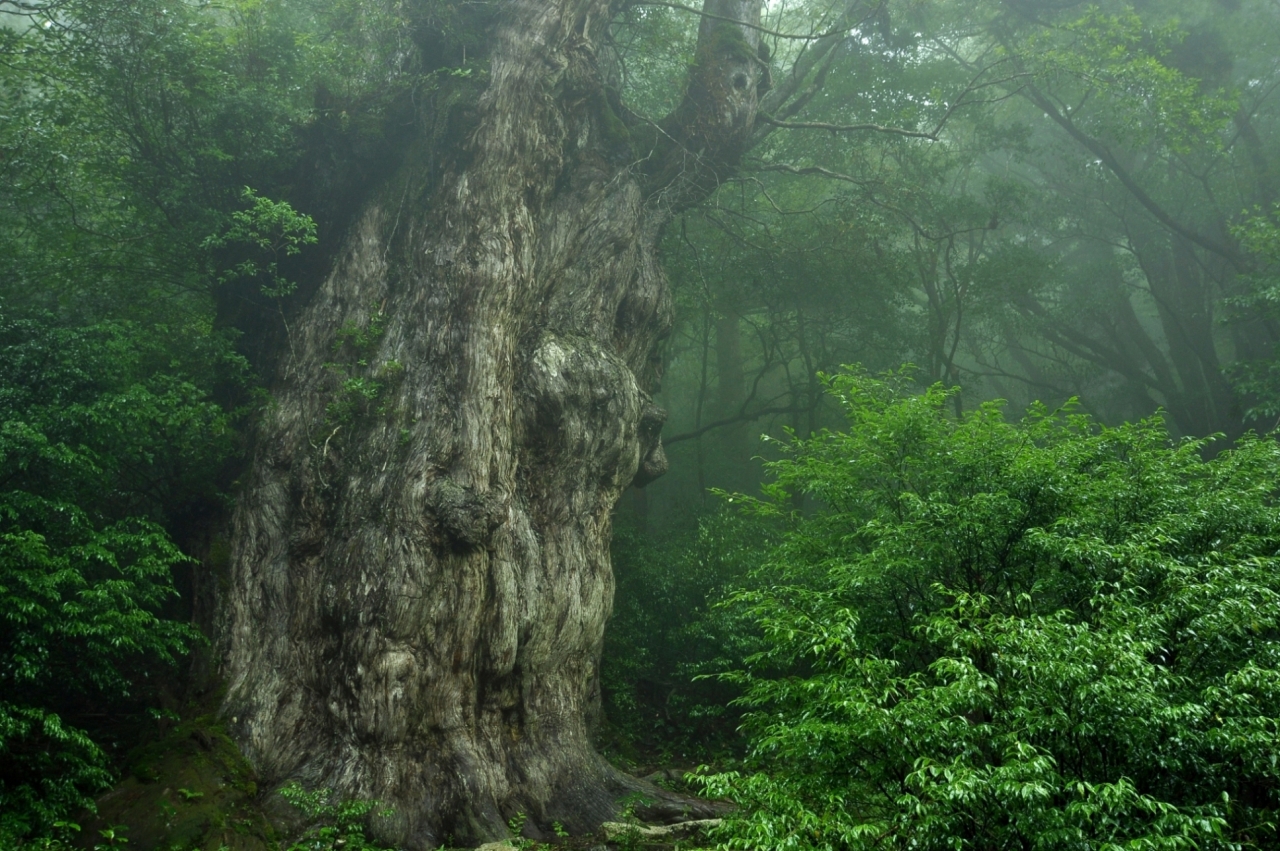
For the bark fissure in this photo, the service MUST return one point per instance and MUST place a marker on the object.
(420, 574)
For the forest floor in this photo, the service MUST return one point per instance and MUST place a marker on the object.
(191, 790)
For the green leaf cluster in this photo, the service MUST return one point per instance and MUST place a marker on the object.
(337, 824)
(1127, 63)
(273, 230)
(1037, 634)
(106, 437)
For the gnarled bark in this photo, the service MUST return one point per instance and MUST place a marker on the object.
(420, 575)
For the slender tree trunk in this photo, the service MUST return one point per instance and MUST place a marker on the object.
(420, 575)
(729, 377)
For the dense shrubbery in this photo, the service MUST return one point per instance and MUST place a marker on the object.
(105, 436)
(130, 132)
(1044, 634)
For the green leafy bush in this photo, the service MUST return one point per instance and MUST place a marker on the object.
(1044, 634)
(336, 824)
(104, 437)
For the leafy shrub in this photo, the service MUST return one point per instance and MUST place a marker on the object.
(66, 839)
(335, 824)
(1043, 634)
(102, 439)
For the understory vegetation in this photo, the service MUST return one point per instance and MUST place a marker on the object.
(1025, 594)
(975, 631)
(1043, 633)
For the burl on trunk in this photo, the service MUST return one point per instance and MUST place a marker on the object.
(420, 570)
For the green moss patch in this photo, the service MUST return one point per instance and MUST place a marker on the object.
(189, 791)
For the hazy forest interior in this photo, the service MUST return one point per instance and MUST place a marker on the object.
(737, 424)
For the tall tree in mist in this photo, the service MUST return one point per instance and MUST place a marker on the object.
(419, 568)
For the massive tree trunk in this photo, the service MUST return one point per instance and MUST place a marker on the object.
(420, 574)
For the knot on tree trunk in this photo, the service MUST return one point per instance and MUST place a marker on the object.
(653, 459)
(467, 517)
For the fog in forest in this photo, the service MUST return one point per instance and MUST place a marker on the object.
(805, 424)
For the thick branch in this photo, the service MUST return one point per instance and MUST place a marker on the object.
(702, 141)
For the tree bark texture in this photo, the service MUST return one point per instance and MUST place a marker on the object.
(420, 572)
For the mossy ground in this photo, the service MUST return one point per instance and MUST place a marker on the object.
(191, 790)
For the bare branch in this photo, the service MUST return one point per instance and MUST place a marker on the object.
(760, 187)
(843, 128)
(814, 170)
(740, 417)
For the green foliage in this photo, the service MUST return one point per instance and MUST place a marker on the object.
(271, 230)
(114, 837)
(1043, 634)
(631, 839)
(361, 339)
(1259, 235)
(335, 824)
(103, 437)
(1127, 61)
(130, 130)
(356, 393)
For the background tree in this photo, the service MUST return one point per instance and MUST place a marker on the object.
(978, 237)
